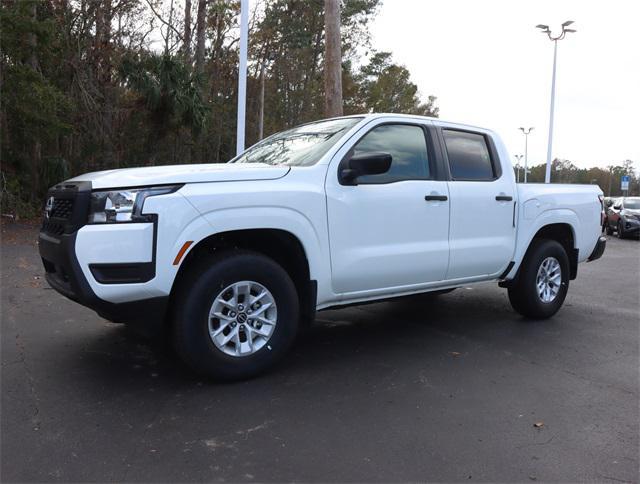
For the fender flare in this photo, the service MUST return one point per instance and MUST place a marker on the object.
(548, 217)
(260, 217)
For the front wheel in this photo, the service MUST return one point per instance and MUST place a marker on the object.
(542, 282)
(621, 234)
(236, 314)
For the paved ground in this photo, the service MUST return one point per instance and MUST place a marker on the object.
(445, 390)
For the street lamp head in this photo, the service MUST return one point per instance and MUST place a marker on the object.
(546, 30)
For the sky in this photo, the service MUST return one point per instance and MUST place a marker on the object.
(489, 66)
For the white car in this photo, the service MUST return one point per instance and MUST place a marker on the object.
(235, 258)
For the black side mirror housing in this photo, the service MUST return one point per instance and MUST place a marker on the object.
(369, 163)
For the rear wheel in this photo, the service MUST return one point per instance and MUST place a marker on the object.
(236, 315)
(542, 282)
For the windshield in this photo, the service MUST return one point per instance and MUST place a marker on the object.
(301, 146)
(632, 203)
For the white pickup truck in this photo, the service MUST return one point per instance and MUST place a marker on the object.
(235, 258)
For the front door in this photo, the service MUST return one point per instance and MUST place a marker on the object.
(389, 230)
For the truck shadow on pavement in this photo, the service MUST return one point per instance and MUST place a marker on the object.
(390, 338)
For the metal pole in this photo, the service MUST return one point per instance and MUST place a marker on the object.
(242, 75)
(261, 114)
(547, 175)
(518, 166)
(526, 155)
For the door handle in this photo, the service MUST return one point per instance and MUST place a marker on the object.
(435, 198)
(503, 198)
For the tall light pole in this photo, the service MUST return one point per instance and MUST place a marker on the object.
(519, 158)
(545, 30)
(242, 75)
(526, 150)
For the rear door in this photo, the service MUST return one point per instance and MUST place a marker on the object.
(482, 230)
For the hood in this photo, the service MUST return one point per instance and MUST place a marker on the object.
(162, 175)
(632, 211)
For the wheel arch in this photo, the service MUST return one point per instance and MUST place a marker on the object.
(281, 245)
(562, 231)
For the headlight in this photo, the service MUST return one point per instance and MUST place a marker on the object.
(123, 205)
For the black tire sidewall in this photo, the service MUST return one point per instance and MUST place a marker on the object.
(191, 317)
(525, 293)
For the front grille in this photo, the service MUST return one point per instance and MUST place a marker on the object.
(52, 228)
(66, 208)
(62, 208)
(57, 215)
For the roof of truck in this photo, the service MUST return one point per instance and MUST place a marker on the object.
(413, 116)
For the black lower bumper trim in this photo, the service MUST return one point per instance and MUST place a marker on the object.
(126, 273)
(63, 273)
(599, 249)
(146, 311)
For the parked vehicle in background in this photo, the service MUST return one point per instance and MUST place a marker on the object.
(610, 228)
(234, 258)
(606, 203)
(623, 217)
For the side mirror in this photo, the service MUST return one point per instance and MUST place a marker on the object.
(369, 163)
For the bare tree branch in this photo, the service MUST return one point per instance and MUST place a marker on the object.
(177, 32)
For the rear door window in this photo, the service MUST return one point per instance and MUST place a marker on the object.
(469, 156)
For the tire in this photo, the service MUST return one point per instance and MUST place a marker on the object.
(609, 229)
(206, 284)
(621, 234)
(524, 295)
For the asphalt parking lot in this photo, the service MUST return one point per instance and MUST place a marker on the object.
(439, 389)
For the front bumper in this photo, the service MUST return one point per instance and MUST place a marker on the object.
(63, 273)
(57, 246)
